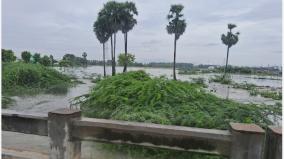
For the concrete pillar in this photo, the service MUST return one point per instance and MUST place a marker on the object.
(62, 146)
(247, 141)
(273, 143)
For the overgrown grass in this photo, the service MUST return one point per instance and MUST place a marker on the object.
(221, 79)
(254, 90)
(22, 78)
(134, 96)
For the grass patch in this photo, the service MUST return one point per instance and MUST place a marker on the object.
(22, 78)
(254, 91)
(135, 96)
(221, 79)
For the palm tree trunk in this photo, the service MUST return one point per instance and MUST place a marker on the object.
(225, 71)
(174, 68)
(114, 44)
(125, 49)
(112, 64)
(104, 59)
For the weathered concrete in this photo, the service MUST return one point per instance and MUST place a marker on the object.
(208, 141)
(25, 123)
(62, 146)
(247, 141)
(273, 143)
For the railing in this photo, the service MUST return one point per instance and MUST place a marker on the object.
(66, 129)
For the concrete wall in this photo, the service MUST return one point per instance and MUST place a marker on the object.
(66, 129)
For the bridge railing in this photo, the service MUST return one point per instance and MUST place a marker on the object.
(66, 129)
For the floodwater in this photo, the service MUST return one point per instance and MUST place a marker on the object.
(43, 103)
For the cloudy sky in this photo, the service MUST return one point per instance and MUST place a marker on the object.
(65, 26)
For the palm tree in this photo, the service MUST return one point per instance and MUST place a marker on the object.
(101, 29)
(113, 11)
(84, 55)
(127, 24)
(177, 27)
(230, 39)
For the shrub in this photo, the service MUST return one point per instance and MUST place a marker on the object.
(19, 77)
(134, 96)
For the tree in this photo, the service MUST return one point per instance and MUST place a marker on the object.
(122, 59)
(45, 61)
(102, 31)
(230, 39)
(36, 57)
(127, 24)
(52, 61)
(26, 56)
(177, 27)
(112, 12)
(8, 56)
(84, 55)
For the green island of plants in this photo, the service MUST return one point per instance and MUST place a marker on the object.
(26, 78)
(135, 96)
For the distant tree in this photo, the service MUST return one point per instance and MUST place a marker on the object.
(229, 40)
(52, 61)
(64, 63)
(177, 27)
(45, 60)
(127, 23)
(26, 56)
(129, 58)
(8, 55)
(36, 57)
(84, 55)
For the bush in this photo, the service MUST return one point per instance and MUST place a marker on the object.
(19, 77)
(134, 96)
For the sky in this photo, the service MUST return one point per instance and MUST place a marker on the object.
(58, 27)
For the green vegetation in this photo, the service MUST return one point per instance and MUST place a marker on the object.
(45, 61)
(200, 81)
(271, 94)
(22, 78)
(134, 96)
(6, 101)
(137, 97)
(221, 79)
(129, 59)
(177, 27)
(26, 56)
(36, 58)
(8, 55)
